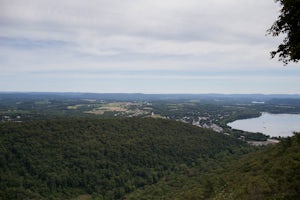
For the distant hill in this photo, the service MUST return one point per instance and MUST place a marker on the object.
(285, 101)
(141, 96)
(103, 159)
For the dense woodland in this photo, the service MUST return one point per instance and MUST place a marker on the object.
(105, 158)
(270, 173)
(139, 158)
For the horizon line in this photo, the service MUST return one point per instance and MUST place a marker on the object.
(143, 93)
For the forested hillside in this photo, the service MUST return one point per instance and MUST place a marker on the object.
(107, 158)
(140, 158)
(271, 173)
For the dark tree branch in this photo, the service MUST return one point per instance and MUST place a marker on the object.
(287, 23)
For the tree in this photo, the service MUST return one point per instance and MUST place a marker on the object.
(287, 23)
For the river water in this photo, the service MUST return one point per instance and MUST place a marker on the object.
(270, 124)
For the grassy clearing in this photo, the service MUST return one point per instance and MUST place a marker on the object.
(120, 107)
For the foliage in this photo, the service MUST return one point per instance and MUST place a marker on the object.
(271, 173)
(288, 23)
(140, 158)
(106, 158)
(196, 182)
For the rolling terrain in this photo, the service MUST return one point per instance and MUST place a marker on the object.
(54, 146)
(105, 158)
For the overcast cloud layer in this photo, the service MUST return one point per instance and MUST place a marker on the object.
(150, 46)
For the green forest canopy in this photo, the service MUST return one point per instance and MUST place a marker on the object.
(107, 158)
(140, 158)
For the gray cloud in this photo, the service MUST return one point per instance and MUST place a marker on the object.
(188, 20)
(133, 35)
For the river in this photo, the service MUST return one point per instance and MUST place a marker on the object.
(273, 125)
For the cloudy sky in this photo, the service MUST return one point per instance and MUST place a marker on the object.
(149, 46)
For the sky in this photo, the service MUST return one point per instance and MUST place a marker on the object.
(142, 46)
